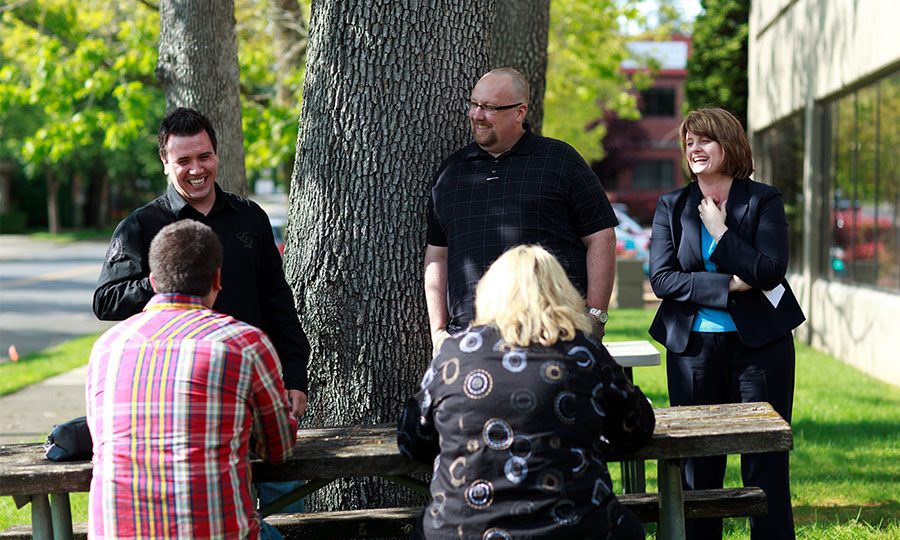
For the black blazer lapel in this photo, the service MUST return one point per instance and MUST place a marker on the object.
(738, 203)
(689, 244)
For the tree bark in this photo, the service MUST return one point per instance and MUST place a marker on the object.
(383, 105)
(521, 30)
(198, 68)
(53, 183)
(291, 37)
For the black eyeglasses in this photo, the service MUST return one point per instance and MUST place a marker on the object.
(490, 109)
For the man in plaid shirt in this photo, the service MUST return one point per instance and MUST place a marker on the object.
(177, 396)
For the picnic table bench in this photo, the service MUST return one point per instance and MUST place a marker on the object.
(324, 454)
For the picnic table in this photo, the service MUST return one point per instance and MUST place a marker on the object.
(631, 354)
(325, 454)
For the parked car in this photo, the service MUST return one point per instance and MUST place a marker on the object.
(632, 240)
(278, 233)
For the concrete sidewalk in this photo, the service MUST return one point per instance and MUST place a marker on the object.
(29, 414)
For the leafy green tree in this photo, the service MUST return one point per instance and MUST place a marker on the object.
(272, 55)
(75, 89)
(717, 69)
(80, 104)
(586, 49)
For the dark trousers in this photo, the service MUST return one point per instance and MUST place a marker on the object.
(718, 368)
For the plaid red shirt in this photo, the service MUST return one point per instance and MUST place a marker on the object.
(175, 397)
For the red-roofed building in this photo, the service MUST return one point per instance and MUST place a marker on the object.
(643, 157)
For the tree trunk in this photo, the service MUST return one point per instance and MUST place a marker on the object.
(521, 29)
(291, 37)
(79, 200)
(198, 68)
(383, 105)
(53, 183)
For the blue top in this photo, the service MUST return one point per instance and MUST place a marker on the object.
(711, 319)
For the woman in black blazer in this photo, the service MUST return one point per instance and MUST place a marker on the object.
(718, 257)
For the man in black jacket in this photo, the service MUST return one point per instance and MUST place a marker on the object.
(253, 286)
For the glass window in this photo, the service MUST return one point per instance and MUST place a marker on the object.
(865, 186)
(887, 217)
(653, 174)
(658, 101)
(780, 162)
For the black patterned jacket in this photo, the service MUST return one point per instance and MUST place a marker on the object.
(517, 437)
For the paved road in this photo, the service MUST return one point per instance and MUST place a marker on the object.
(45, 298)
(45, 292)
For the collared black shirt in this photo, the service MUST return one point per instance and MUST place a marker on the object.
(541, 191)
(253, 286)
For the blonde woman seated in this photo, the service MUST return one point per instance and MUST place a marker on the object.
(516, 411)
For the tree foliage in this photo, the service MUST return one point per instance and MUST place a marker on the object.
(585, 84)
(717, 69)
(78, 98)
(76, 90)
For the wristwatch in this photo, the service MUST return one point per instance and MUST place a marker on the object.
(598, 315)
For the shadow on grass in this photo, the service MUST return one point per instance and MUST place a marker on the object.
(839, 451)
(879, 514)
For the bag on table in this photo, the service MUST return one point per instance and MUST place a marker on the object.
(69, 441)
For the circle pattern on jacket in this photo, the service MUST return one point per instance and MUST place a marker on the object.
(550, 480)
(498, 434)
(553, 371)
(563, 512)
(583, 357)
(523, 400)
(565, 406)
(471, 342)
(522, 447)
(480, 494)
(597, 400)
(496, 534)
(516, 470)
(515, 361)
(478, 384)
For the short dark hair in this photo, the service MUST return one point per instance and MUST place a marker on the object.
(722, 127)
(184, 258)
(184, 122)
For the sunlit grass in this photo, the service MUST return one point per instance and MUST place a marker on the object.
(37, 366)
(845, 465)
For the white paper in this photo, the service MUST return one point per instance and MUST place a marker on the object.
(775, 294)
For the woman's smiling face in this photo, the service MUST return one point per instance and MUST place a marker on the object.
(704, 155)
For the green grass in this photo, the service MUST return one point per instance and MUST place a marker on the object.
(845, 468)
(36, 367)
(74, 235)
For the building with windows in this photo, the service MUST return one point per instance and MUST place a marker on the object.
(644, 156)
(824, 121)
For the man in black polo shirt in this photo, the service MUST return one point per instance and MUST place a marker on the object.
(510, 187)
(253, 286)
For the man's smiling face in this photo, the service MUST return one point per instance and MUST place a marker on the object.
(192, 165)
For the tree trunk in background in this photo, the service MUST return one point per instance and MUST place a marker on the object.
(383, 105)
(53, 184)
(520, 34)
(198, 68)
(291, 36)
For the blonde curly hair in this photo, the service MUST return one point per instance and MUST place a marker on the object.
(528, 297)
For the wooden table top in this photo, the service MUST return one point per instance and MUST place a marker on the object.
(372, 450)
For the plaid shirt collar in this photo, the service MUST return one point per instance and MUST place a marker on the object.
(174, 301)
